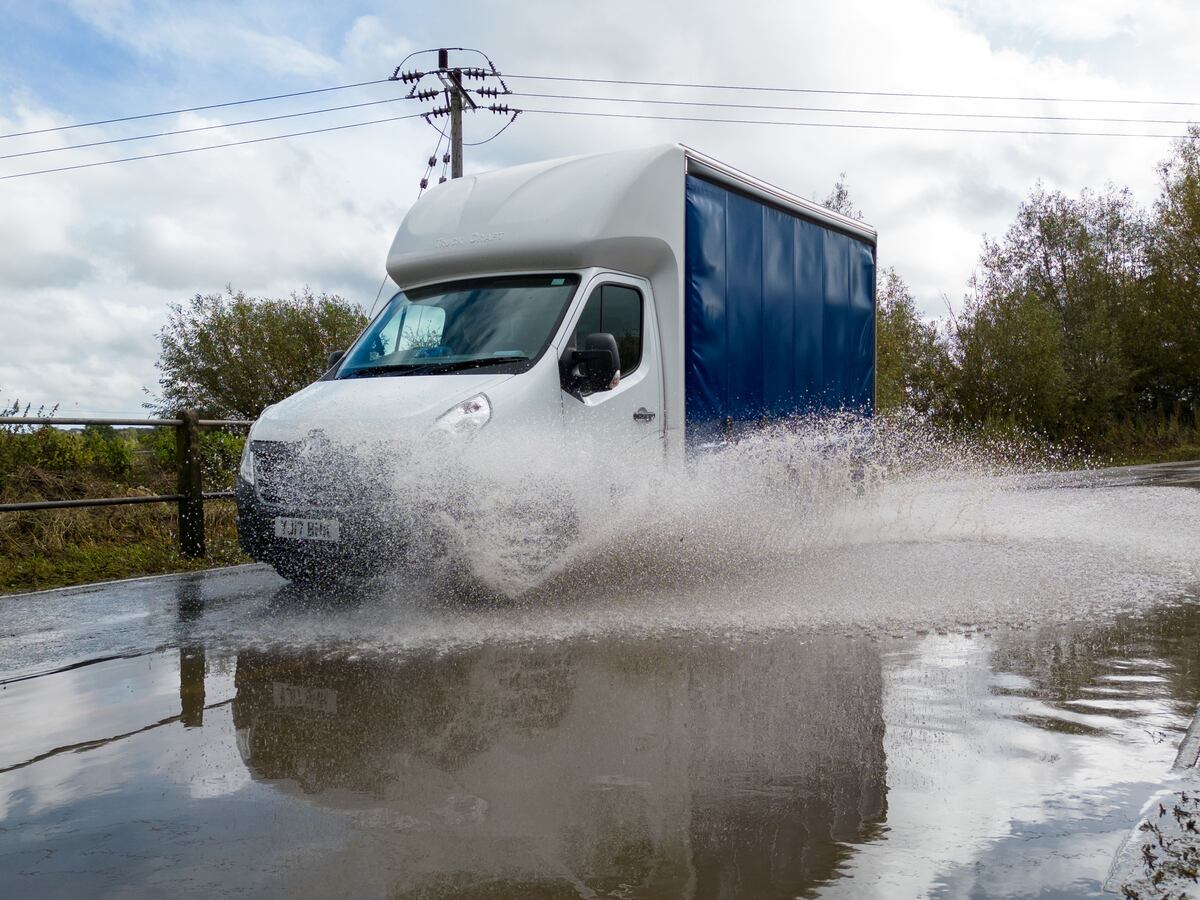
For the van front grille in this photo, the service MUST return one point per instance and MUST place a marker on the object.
(312, 474)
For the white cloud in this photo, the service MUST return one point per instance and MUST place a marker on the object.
(371, 43)
(158, 30)
(1077, 20)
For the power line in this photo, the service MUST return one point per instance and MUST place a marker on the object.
(143, 137)
(564, 78)
(580, 113)
(274, 137)
(171, 112)
(795, 90)
(612, 115)
(854, 110)
(868, 127)
(659, 102)
(503, 128)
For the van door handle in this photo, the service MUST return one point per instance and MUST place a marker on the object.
(643, 415)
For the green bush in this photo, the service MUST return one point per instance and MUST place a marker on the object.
(160, 443)
(57, 450)
(51, 449)
(112, 452)
(220, 453)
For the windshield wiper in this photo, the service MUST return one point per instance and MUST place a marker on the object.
(436, 368)
(376, 371)
(439, 368)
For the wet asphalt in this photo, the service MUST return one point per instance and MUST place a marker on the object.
(226, 734)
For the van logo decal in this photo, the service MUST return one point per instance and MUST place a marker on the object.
(476, 237)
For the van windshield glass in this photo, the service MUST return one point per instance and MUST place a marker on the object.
(462, 325)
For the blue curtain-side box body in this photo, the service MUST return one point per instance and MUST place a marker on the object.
(779, 314)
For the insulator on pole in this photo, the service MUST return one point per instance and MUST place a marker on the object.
(424, 183)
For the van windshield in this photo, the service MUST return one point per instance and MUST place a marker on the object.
(497, 322)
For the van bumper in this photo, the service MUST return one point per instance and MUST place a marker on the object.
(368, 541)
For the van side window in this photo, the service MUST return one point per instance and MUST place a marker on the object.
(616, 309)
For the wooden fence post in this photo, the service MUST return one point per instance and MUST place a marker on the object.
(191, 485)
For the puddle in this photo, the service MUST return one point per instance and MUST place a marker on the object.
(782, 765)
(951, 690)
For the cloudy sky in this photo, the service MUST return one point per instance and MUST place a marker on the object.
(90, 259)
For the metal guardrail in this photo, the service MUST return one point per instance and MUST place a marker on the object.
(190, 495)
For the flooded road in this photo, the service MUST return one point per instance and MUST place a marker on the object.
(973, 690)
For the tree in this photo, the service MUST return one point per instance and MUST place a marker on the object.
(1164, 331)
(1010, 362)
(839, 199)
(914, 369)
(230, 355)
(1061, 282)
(1082, 322)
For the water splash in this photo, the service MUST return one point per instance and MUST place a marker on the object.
(778, 493)
(837, 523)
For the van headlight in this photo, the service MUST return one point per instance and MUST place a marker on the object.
(246, 466)
(465, 419)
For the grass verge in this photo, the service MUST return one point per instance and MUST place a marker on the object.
(109, 542)
(1145, 457)
(59, 547)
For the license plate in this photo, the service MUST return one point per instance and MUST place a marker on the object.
(308, 529)
(294, 696)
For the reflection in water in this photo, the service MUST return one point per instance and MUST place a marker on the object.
(1144, 671)
(1018, 763)
(189, 602)
(1009, 763)
(633, 768)
(686, 766)
(191, 685)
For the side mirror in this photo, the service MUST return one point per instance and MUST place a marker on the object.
(335, 357)
(594, 367)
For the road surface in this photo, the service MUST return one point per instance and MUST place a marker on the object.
(956, 689)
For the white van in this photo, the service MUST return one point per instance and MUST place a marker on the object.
(643, 301)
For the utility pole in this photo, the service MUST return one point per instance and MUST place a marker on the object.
(455, 135)
(457, 100)
(455, 94)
